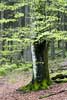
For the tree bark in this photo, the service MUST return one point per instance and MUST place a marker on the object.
(59, 44)
(41, 70)
(63, 49)
(66, 46)
(52, 49)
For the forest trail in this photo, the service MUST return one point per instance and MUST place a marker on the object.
(10, 83)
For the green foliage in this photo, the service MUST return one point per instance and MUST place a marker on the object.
(44, 20)
(44, 23)
(18, 15)
(48, 17)
(7, 20)
(7, 68)
(12, 34)
(4, 6)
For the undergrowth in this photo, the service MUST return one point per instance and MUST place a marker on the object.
(5, 69)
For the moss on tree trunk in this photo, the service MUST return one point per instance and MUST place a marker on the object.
(42, 72)
(42, 80)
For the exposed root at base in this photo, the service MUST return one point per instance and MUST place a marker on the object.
(34, 87)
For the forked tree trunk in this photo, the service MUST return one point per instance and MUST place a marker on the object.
(40, 67)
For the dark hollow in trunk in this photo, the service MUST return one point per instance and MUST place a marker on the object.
(41, 53)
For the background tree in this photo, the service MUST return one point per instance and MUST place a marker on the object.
(12, 30)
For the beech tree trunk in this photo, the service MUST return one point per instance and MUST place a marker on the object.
(66, 46)
(63, 49)
(52, 49)
(59, 44)
(41, 73)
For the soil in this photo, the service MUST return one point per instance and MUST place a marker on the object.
(13, 81)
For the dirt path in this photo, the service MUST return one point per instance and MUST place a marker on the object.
(9, 84)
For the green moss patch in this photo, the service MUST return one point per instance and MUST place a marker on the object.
(60, 77)
(34, 86)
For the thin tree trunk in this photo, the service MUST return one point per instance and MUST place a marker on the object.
(59, 42)
(63, 49)
(52, 49)
(66, 46)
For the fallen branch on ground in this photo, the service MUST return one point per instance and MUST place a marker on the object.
(48, 95)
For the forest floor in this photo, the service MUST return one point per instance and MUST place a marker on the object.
(13, 81)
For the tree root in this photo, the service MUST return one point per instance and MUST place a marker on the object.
(48, 95)
(34, 87)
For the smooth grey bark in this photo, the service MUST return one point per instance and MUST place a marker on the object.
(63, 49)
(1, 29)
(66, 46)
(52, 49)
(27, 51)
(63, 42)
